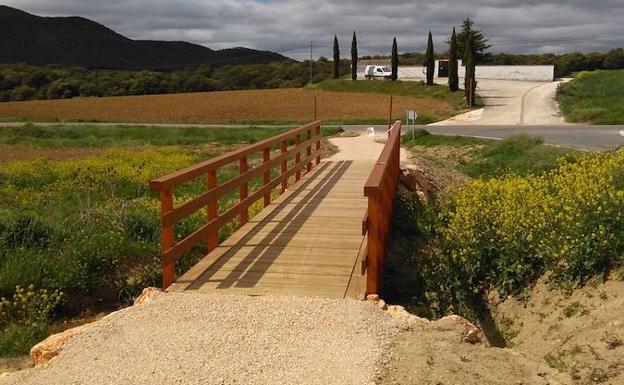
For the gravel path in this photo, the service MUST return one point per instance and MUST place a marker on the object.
(192, 338)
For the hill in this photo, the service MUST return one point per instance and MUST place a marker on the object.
(76, 41)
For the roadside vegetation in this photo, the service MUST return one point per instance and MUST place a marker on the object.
(82, 235)
(529, 210)
(594, 97)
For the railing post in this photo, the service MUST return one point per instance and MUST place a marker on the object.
(375, 246)
(244, 191)
(213, 237)
(283, 150)
(318, 143)
(297, 158)
(266, 177)
(167, 237)
(309, 150)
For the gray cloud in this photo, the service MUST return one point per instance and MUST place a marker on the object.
(287, 26)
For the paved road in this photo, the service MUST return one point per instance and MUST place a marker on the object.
(513, 102)
(581, 136)
(585, 137)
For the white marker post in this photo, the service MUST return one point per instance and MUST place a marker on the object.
(411, 114)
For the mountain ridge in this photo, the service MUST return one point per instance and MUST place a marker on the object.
(80, 42)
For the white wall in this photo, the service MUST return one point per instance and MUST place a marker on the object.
(538, 73)
(544, 73)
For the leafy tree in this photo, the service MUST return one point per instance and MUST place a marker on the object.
(336, 58)
(480, 42)
(22, 93)
(36, 79)
(430, 60)
(614, 59)
(394, 61)
(354, 57)
(146, 82)
(63, 89)
(453, 80)
(88, 88)
(470, 83)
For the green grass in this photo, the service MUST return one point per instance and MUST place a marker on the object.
(594, 97)
(401, 88)
(108, 136)
(90, 227)
(421, 137)
(518, 154)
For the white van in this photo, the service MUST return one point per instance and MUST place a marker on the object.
(377, 72)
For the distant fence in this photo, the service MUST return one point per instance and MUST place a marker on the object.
(304, 140)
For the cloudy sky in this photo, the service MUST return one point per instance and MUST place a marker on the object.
(288, 26)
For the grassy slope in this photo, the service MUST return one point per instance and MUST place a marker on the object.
(519, 154)
(595, 97)
(399, 88)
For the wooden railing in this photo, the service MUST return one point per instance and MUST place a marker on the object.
(380, 189)
(304, 140)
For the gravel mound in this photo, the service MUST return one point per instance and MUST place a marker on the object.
(183, 338)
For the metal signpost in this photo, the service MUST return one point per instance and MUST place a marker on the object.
(412, 115)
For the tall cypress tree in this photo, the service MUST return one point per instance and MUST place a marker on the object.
(430, 60)
(470, 83)
(395, 61)
(336, 58)
(453, 80)
(354, 57)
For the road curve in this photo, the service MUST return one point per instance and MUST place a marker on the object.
(583, 137)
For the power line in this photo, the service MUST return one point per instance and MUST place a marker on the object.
(557, 39)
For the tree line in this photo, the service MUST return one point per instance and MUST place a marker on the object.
(20, 82)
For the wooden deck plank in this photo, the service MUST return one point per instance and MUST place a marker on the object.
(306, 242)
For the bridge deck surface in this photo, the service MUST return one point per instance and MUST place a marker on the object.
(305, 243)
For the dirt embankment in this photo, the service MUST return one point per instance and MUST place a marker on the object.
(548, 337)
(553, 337)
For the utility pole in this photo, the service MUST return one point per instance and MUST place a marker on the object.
(310, 82)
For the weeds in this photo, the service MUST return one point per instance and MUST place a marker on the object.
(573, 309)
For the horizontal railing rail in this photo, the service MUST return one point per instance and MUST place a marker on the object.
(306, 151)
(380, 189)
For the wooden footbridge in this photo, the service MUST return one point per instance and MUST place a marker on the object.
(324, 235)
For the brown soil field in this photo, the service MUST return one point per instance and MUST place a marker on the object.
(292, 105)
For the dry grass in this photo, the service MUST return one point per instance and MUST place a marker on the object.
(293, 105)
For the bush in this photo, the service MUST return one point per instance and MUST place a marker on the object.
(24, 318)
(63, 89)
(508, 232)
(22, 93)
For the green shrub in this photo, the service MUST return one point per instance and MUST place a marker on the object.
(24, 318)
(505, 233)
(509, 231)
(29, 306)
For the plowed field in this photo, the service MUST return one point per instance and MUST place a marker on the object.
(292, 105)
